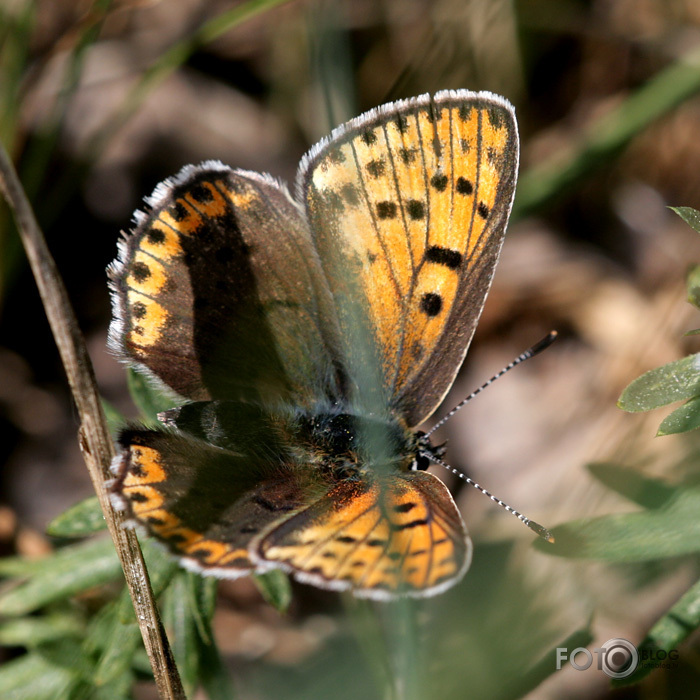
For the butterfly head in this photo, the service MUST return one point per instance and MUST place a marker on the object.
(425, 453)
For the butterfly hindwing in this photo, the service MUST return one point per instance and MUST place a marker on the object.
(399, 535)
(204, 503)
(408, 206)
(218, 291)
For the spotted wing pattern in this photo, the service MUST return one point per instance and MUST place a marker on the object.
(399, 535)
(205, 503)
(408, 206)
(218, 292)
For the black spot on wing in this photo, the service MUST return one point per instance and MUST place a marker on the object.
(431, 304)
(369, 137)
(495, 117)
(349, 193)
(444, 256)
(140, 271)
(386, 210)
(464, 112)
(404, 507)
(413, 523)
(401, 123)
(155, 236)
(464, 186)
(415, 209)
(439, 182)
(201, 193)
(376, 168)
(407, 155)
(178, 211)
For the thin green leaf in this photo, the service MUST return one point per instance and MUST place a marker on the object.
(212, 673)
(683, 419)
(675, 626)
(214, 676)
(78, 568)
(147, 398)
(670, 531)
(689, 215)
(693, 285)
(118, 689)
(32, 677)
(641, 489)
(675, 381)
(117, 637)
(22, 566)
(84, 518)
(114, 419)
(32, 631)
(179, 620)
(202, 593)
(99, 633)
(68, 653)
(117, 659)
(275, 588)
(696, 331)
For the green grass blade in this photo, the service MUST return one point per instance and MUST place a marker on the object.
(114, 419)
(607, 135)
(169, 61)
(673, 628)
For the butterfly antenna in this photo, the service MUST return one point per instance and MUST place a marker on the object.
(538, 529)
(530, 352)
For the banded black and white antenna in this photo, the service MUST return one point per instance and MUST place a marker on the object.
(537, 348)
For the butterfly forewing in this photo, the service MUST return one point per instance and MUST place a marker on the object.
(408, 206)
(218, 292)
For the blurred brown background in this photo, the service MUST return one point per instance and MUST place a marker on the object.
(597, 255)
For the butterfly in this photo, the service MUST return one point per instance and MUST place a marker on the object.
(305, 338)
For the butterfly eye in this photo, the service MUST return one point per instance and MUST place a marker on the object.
(420, 463)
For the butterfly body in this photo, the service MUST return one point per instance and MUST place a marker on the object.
(308, 338)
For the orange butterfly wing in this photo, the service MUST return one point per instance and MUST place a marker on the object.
(219, 293)
(398, 535)
(408, 206)
(205, 503)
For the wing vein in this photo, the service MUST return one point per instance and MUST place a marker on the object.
(375, 227)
